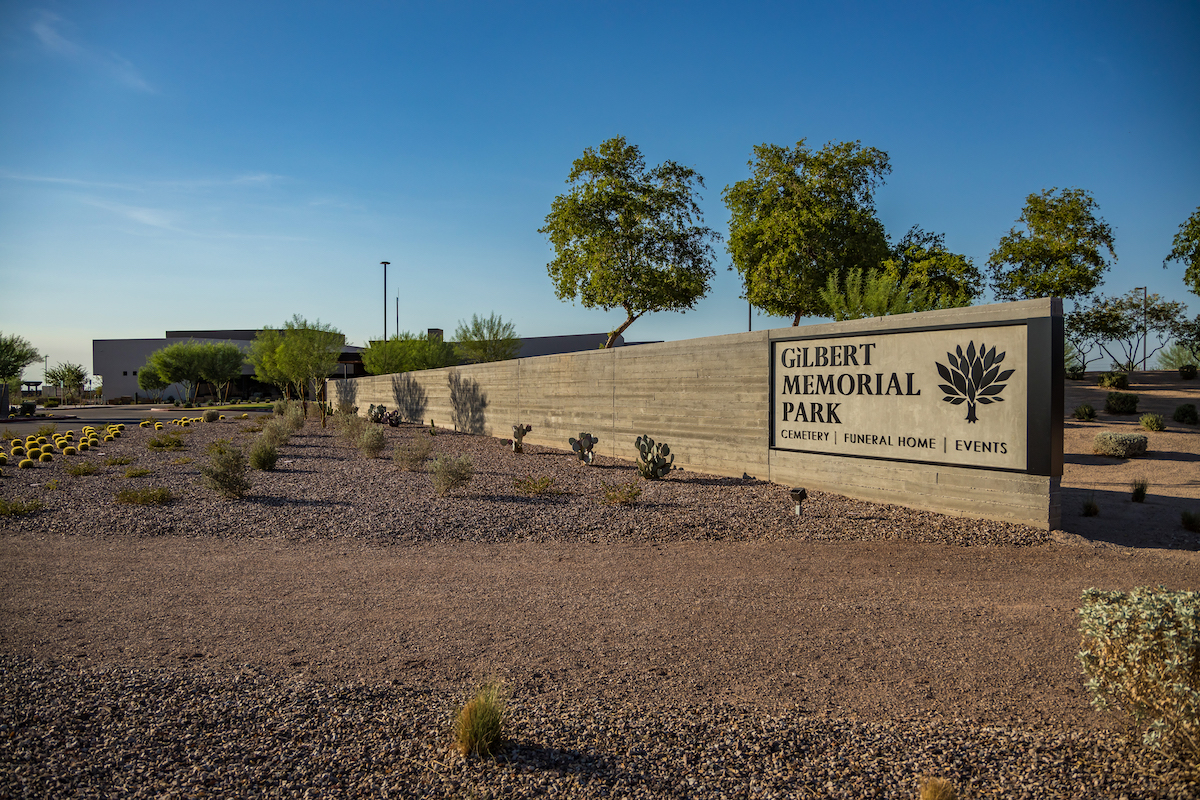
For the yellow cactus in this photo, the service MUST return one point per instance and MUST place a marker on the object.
(25, 463)
(69, 451)
(46, 457)
(33, 453)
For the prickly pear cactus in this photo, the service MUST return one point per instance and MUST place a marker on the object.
(519, 432)
(583, 447)
(654, 459)
(375, 413)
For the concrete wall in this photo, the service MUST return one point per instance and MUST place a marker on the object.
(710, 399)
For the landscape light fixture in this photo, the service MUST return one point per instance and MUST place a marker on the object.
(798, 494)
(1145, 335)
(385, 266)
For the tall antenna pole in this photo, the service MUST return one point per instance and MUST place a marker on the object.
(385, 266)
(397, 313)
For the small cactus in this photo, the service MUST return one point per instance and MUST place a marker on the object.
(654, 459)
(25, 463)
(69, 451)
(519, 432)
(3, 459)
(46, 457)
(583, 447)
(34, 453)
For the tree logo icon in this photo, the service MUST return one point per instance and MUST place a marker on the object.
(973, 377)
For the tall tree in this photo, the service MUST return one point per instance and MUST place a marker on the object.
(802, 217)
(876, 295)
(487, 339)
(16, 353)
(629, 237)
(406, 352)
(951, 280)
(150, 382)
(221, 364)
(182, 363)
(1060, 253)
(264, 357)
(70, 377)
(308, 354)
(1122, 326)
(1186, 249)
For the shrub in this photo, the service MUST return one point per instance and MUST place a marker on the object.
(52, 486)
(159, 496)
(1187, 371)
(1190, 521)
(279, 407)
(136, 472)
(535, 486)
(450, 473)
(1140, 485)
(625, 494)
(45, 431)
(411, 456)
(1114, 380)
(118, 461)
(1119, 445)
(1186, 414)
(350, 426)
(1140, 652)
(1121, 403)
(294, 417)
(1085, 412)
(937, 789)
(371, 442)
(263, 454)
(211, 416)
(171, 440)
(81, 469)
(1153, 422)
(15, 508)
(346, 407)
(479, 725)
(276, 432)
(226, 470)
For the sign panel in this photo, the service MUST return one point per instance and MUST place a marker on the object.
(955, 397)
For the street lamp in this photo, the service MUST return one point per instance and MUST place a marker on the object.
(385, 266)
(1145, 335)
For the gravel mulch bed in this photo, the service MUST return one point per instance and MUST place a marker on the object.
(324, 489)
(190, 733)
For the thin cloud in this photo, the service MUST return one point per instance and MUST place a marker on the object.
(119, 68)
(12, 176)
(153, 217)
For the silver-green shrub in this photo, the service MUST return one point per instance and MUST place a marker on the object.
(412, 455)
(1120, 445)
(1153, 422)
(1141, 654)
(211, 415)
(350, 426)
(371, 441)
(226, 470)
(294, 417)
(263, 454)
(450, 473)
(276, 432)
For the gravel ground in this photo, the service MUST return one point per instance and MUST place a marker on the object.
(115, 727)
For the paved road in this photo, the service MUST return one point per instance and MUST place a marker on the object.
(73, 418)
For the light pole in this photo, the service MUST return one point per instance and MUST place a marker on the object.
(385, 266)
(1145, 335)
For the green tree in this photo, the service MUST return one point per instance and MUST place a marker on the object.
(70, 377)
(389, 357)
(16, 353)
(490, 339)
(628, 237)
(1187, 339)
(1122, 326)
(1186, 249)
(182, 363)
(877, 295)
(220, 364)
(802, 217)
(264, 357)
(951, 280)
(1060, 253)
(308, 354)
(151, 382)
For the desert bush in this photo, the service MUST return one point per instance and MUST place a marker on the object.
(371, 442)
(1085, 413)
(144, 497)
(279, 407)
(45, 431)
(226, 470)
(263, 454)
(15, 508)
(1140, 651)
(350, 426)
(1153, 422)
(1140, 486)
(937, 789)
(1121, 403)
(168, 440)
(625, 494)
(411, 456)
(136, 472)
(535, 486)
(1187, 371)
(450, 473)
(1186, 414)
(1190, 521)
(346, 407)
(211, 415)
(1113, 380)
(1119, 445)
(294, 417)
(479, 725)
(276, 432)
(118, 461)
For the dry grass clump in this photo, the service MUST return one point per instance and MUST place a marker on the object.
(937, 789)
(118, 461)
(136, 472)
(144, 497)
(226, 470)
(450, 474)
(535, 486)
(479, 725)
(411, 456)
(371, 442)
(81, 469)
(168, 440)
(350, 426)
(15, 508)
(622, 494)
(1140, 485)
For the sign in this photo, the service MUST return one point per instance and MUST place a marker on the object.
(955, 397)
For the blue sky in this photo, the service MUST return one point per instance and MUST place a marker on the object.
(229, 164)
